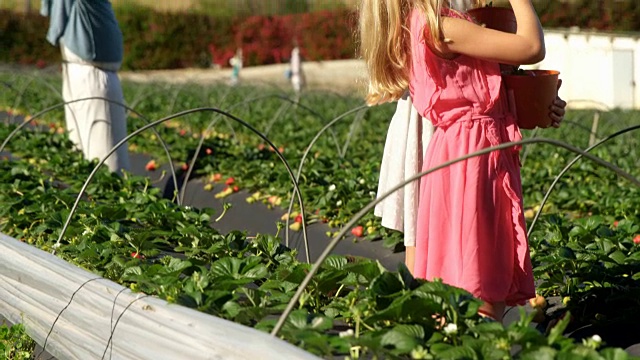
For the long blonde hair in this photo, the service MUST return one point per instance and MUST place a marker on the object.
(385, 43)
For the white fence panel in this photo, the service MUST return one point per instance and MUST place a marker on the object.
(595, 67)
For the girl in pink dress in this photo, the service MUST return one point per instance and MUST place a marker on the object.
(471, 228)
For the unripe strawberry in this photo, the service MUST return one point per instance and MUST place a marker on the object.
(539, 302)
(529, 214)
(296, 226)
(224, 193)
(289, 216)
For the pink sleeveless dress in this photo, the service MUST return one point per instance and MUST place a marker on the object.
(471, 228)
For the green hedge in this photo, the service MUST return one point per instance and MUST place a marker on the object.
(155, 40)
(168, 41)
(22, 39)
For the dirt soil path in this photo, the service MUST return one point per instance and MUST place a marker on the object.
(344, 76)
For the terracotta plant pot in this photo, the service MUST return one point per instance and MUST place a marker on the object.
(497, 18)
(532, 93)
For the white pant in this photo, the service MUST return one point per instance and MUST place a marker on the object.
(297, 76)
(95, 126)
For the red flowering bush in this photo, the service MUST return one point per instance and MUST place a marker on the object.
(263, 39)
(323, 35)
(328, 35)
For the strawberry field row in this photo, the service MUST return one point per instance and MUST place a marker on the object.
(584, 248)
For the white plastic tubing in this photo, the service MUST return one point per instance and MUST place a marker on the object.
(39, 289)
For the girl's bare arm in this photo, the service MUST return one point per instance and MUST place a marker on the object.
(524, 47)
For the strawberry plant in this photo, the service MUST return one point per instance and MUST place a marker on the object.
(584, 247)
(15, 344)
(125, 232)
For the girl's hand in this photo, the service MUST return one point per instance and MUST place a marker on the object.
(557, 109)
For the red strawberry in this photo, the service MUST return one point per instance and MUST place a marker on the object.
(230, 181)
(208, 151)
(357, 231)
(260, 147)
(236, 189)
(298, 219)
(183, 132)
(184, 167)
(636, 240)
(136, 255)
(217, 177)
(615, 223)
(151, 165)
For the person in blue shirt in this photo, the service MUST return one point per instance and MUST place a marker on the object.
(92, 49)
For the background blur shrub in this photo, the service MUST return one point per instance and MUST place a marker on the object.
(321, 35)
(22, 39)
(604, 15)
(165, 40)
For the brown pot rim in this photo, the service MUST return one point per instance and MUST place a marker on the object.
(535, 73)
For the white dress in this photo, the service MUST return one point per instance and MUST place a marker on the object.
(407, 140)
